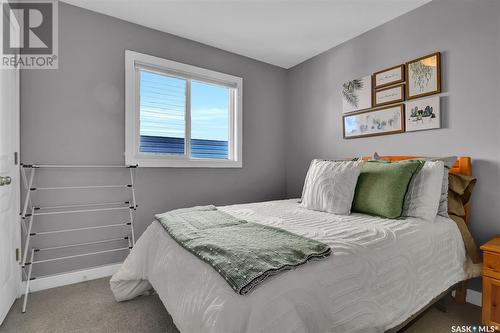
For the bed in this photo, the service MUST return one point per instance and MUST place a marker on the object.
(381, 273)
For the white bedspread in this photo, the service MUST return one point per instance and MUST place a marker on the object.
(381, 272)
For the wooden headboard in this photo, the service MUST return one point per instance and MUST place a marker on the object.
(463, 166)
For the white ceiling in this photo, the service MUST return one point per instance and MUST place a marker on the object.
(279, 32)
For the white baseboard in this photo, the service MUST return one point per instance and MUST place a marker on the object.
(72, 277)
(473, 297)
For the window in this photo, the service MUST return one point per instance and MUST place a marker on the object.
(179, 115)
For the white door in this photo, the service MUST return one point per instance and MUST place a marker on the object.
(10, 272)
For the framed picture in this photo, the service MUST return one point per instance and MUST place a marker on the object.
(357, 94)
(423, 114)
(389, 76)
(382, 121)
(389, 95)
(423, 76)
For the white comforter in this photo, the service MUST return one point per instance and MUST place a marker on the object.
(381, 272)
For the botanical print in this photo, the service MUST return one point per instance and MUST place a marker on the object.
(376, 122)
(423, 76)
(389, 76)
(356, 94)
(423, 114)
(388, 95)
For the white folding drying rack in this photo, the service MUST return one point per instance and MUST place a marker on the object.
(30, 211)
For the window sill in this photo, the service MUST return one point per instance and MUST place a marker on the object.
(181, 163)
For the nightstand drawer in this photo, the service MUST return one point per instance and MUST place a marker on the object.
(491, 301)
(491, 264)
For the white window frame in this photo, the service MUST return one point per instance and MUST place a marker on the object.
(135, 61)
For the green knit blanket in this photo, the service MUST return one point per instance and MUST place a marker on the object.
(243, 253)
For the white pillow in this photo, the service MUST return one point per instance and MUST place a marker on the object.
(329, 186)
(443, 201)
(424, 192)
(449, 162)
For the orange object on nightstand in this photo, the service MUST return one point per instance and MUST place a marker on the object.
(491, 282)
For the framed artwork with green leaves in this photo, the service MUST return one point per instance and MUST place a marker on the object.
(423, 76)
(357, 94)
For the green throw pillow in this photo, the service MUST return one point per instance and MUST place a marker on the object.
(382, 187)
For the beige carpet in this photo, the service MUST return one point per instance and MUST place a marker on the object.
(90, 307)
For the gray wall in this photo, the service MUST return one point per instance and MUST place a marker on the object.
(468, 35)
(75, 115)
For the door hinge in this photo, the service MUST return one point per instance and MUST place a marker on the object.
(18, 254)
(15, 158)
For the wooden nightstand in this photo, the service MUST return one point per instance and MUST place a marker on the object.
(491, 282)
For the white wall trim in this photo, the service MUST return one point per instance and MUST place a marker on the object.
(473, 297)
(72, 277)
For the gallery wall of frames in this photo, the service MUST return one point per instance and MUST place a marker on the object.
(402, 98)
